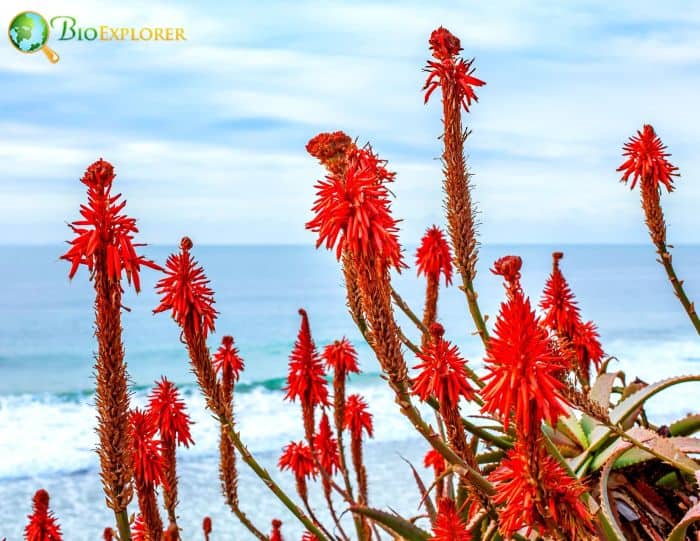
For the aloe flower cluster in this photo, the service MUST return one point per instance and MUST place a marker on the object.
(534, 440)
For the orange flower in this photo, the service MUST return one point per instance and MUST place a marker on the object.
(227, 360)
(297, 458)
(522, 369)
(449, 526)
(435, 460)
(167, 410)
(341, 356)
(146, 449)
(357, 417)
(646, 159)
(352, 211)
(104, 232)
(326, 447)
(443, 372)
(186, 293)
(433, 256)
(43, 525)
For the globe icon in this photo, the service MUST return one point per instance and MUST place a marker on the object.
(29, 32)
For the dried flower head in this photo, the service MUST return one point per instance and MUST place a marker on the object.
(433, 459)
(168, 412)
(341, 357)
(326, 446)
(146, 449)
(646, 159)
(352, 212)
(43, 525)
(444, 44)
(104, 232)
(443, 371)
(185, 291)
(522, 368)
(434, 256)
(331, 149)
(509, 267)
(298, 458)
(276, 533)
(357, 417)
(449, 525)
(449, 70)
(227, 360)
(532, 485)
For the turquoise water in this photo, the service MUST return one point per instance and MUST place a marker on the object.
(46, 345)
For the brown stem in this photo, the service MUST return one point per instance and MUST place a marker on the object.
(148, 505)
(170, 486)
(432, 289)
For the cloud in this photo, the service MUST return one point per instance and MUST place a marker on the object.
(208, 135)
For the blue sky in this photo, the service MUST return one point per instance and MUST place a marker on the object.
(208, 135)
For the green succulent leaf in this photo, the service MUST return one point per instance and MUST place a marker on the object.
(686, 426)
(395, 523)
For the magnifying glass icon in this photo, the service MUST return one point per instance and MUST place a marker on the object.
(29, 33)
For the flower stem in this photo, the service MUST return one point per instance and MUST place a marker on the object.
(270, 483)
(122, 519)
(689, 306)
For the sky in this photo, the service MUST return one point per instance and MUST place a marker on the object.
(207, 135)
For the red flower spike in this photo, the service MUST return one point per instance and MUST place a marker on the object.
(341, 357)
(104, 231)
(331, 149)
(449, 526)
(306, 378)
(138, 529)
(357, 418)
(443, 372)
(522, 366)
(227, 359)
(146, 449)
(168, 412)
(435, 460)
(108, 534)
(352, 212)
(448, 69)
(517, 490)
(276, 533)
(43, 525)
(326, 447)
(298, 458)
(562, 315)
(433, 256)
(186, 293)
(646, 159)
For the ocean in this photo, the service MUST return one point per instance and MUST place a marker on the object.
(47, 420)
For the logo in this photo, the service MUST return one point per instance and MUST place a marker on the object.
(29, 33)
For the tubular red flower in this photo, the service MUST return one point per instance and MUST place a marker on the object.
(531, 486)
(276, 533)
(306, 379)
(450, 70)
(562, 315)
(146, 449)
(443, 372)
(448, 525)
(298, 458)
(341, 357)
(138, 529)
(108, 534)
(104, 231)
(646, 158)
(168, 412)
(352, 211)
(522, 368)
(434, 256)
(43, 525)
(227, 360)
(331, 149)
(357, 417)
(186, 293)
(326, 447)
(308, 536)
(435, 460)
